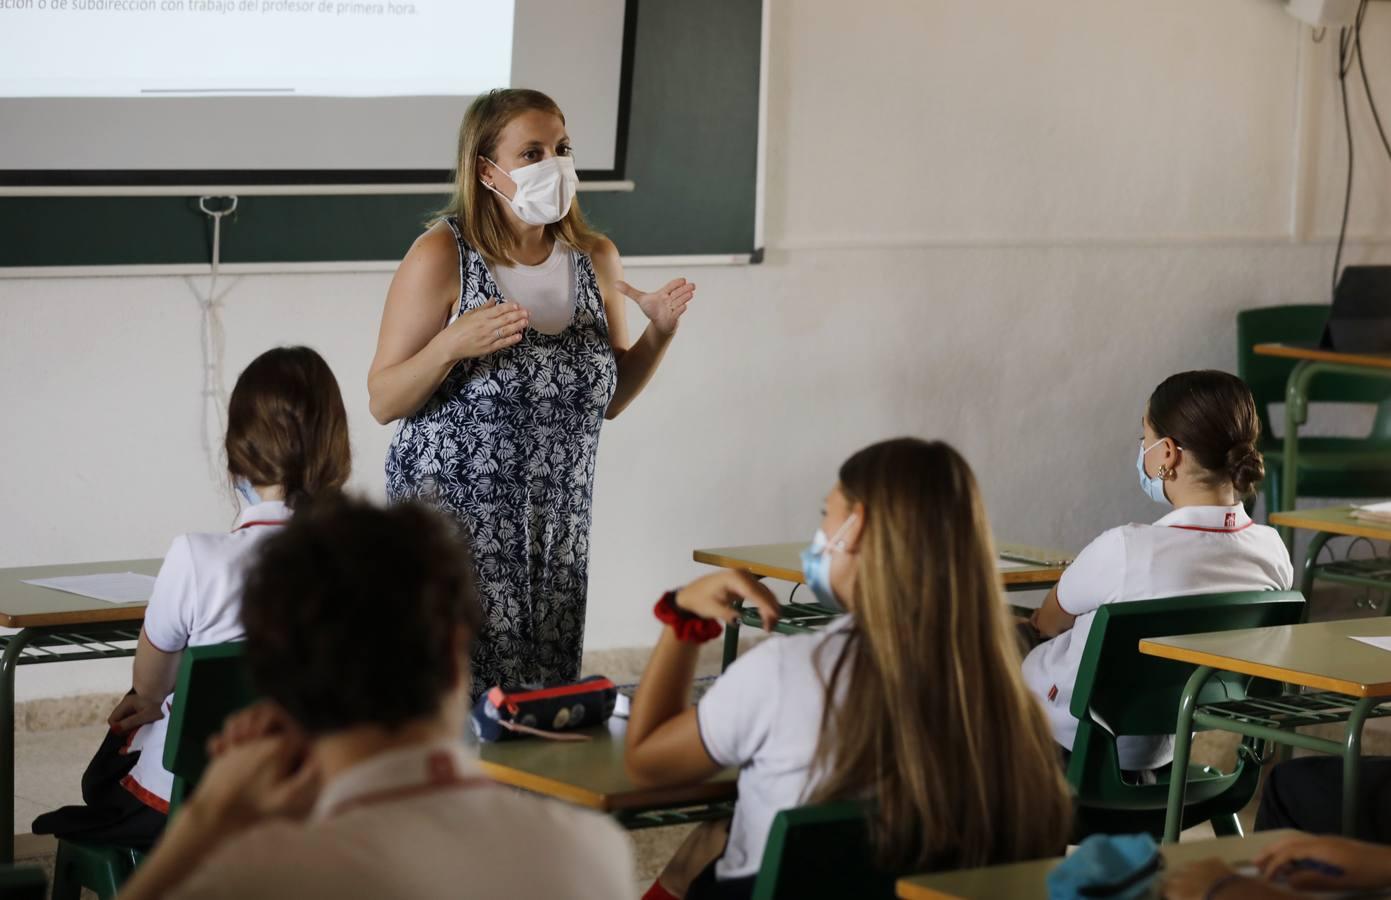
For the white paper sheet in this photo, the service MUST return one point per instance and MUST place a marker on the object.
(115, 587)
(1381, 643)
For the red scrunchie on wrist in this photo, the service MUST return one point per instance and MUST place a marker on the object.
(689, 628)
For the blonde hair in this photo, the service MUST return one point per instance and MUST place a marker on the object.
(934, 723)
(482, 222)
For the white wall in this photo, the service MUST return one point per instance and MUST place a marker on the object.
(1000, 224)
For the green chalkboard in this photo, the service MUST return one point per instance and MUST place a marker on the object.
(692, 152)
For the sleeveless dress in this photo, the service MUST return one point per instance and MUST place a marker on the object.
(506, 447)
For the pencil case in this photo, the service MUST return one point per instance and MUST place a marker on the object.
(1115, 866)
(554, 712)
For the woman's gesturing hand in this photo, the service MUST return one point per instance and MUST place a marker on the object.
(713, 597)
(486, 329)
(664, 306)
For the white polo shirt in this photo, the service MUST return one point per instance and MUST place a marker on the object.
(1193, 550)
(196, 601)
(763, 715)
(423, 822)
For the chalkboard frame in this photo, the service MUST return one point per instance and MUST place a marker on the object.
(98, 178)
(694, 154)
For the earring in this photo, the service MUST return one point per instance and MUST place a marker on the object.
(1164, 472)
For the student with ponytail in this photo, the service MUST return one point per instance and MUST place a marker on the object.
(911, 701)
(1197, 454)
(287, 444)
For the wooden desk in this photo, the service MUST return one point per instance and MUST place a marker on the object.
(1311, 362)
(1336, 521)
(784, 562)
(1316, 655)
(55, 627)
(591, 774)
(1030, 879)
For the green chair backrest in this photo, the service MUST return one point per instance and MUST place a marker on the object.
(820, 851)
(24, 882)
(1267, 375)
(213, 683)
(1135, 694)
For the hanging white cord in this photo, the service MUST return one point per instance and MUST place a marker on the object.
(214, 423)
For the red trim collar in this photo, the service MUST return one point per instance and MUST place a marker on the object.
(440, 774)
(400, 793)
(1213, 530)
(260, 522)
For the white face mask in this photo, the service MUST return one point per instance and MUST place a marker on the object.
(545, 190)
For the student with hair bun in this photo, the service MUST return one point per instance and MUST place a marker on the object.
(1197, 454)
(286, 444)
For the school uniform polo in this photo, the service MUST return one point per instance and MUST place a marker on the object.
(763, 715)
(423, 822)
(196, 601)
(1193, 550)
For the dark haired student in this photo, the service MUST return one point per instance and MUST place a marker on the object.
(352, 781)
(1198, 455)
(287, 442)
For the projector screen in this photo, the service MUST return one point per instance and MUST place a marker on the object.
(97, 92)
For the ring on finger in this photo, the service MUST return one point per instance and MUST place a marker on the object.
(497, 334)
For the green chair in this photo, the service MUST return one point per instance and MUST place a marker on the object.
(821, 851)
(1335, 467)
(217, 676)
(1121, 691)
(100, 868)
(22, 883)
(212, 684)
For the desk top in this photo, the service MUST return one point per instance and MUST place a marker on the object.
(1316, 655)
(1026, 880)
(28, 605)
(783, 562)
(591, 773)
(1315, 354)
(1333, 520)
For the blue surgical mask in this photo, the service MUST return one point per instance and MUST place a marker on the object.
(248, 493)
(1153, 487)
(816, 566)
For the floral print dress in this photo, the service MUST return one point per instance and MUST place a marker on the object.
(506, 446)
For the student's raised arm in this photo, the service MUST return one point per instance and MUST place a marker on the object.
(664, 744)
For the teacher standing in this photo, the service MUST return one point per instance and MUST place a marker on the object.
(503, 347)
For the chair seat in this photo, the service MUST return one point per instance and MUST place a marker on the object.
(100, 868)
(1204, 783)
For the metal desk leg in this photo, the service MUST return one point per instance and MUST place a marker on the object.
(1311, 558)
(8, 662)
(1352, 763)
(1296, 414)
(1183, 745)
